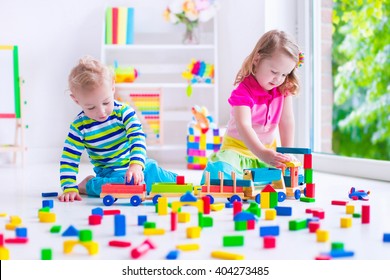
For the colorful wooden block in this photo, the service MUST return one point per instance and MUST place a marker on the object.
(322, 235)
(269, 242)
(184, 217)
(226, 255)
(193, 232)
(345, 222)
(365, 214)
(120, 225)
(349, 209)
(233, 240)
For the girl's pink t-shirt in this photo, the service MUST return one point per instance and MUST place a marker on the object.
(266, 109)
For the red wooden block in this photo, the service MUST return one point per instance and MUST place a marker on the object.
(339, 202)
(94, 220)
(269, 242)
(313, 226)
(1, 240)
(365, 214)
(111, 212)
(237, 207)
(319, 214)
(173, 221)
(17, 240)
(323, 257)
(307, 161)
(118, 243)
(250, 224)
(180, 180)
(310, 190)
(206, 204)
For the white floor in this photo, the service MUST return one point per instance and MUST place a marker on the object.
(20, 195)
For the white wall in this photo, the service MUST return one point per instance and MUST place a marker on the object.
(53, 34)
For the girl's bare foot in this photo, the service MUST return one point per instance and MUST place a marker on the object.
(83, 184)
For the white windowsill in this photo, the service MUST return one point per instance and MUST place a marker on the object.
(358, 167)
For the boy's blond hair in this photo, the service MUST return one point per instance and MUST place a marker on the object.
(270, 42)
(89, 74)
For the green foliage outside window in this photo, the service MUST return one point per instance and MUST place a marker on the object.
(361, 73)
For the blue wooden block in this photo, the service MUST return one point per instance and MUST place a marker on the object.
(283, 211)
(193, 146)
(290, 150)
(386, 237)
(49, 194)
(47, 203)
(172, 255)
(269, 230)
(228, 205)
(21, 232)
(142, 219)
(312, 219)
(71, 231)
(97, 211)
(119, 225)
(244, 216)
(341, 254)
(188, 197)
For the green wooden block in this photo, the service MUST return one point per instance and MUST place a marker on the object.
(85, 235)
(205, 221)
(297, 224)
(337, 246)
(273, 199)
(254, 209)
(55, 229)
(240, 225)
(44, 209)
(233, 240)
(171, 187)
(309, 175)
(149, 225)
(46, 254)
(356, 215)
(307, 199)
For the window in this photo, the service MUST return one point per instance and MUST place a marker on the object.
(349, 55)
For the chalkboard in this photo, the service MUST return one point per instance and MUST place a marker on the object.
(9, 82)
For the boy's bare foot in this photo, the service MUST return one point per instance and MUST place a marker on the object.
(83, 184)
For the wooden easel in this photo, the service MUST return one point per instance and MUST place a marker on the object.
(18, 145)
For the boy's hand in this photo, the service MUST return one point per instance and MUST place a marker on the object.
(274, 158)
(69, 197)
(135, 172)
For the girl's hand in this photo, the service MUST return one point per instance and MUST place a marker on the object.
(135, 172)
(274, 158)
(69, 197)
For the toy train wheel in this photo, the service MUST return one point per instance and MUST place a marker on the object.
(235, 198)
(108, 200)
(281, 196)
(257, 198)
(211, 198)
(297, 194)
(155, 198)
(135, 200)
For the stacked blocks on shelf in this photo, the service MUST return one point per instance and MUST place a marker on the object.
(203, 139)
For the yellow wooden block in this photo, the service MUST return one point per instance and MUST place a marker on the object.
(217, 140)
(183, 217)
(177, 204)
(226, 255)
(264, 201)
(3, 214)
(46, 217)
(349, 209)
(188, 247)
(217, 206)
(4, 253)
(11, 226)
(270, 214)
(154, 231)
(293, 163)
(346, 222)
(91, 246)
(191, 138)
(15, 220)
(193, 232)
(322, 235)
(203, 160)
(162, 206)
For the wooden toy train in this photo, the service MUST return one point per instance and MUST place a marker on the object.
(288, 183)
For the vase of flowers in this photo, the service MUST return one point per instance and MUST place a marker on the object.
(190, 13)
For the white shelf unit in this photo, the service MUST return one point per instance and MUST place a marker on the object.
(161, 58)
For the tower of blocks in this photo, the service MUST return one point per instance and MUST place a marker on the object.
(307, 167)
(203, 138)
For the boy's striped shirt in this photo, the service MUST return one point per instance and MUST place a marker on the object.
(115, 143)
